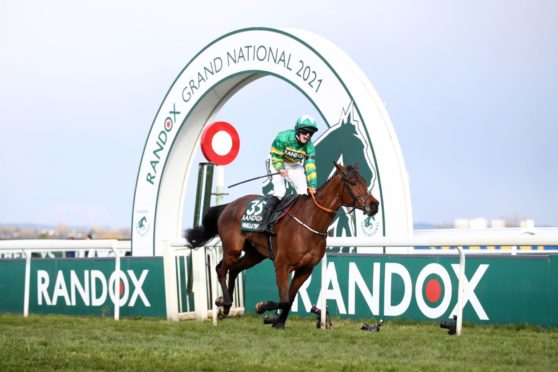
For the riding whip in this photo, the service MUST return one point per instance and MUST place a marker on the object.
(252, 179)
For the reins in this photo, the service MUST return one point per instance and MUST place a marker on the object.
(320, 206)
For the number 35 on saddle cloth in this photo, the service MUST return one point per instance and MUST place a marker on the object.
(260, 214)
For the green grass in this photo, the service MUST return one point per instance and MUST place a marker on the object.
(246, 344)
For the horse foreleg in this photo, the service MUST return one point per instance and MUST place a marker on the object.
(263, 306)
(300, 276)
(282, 278)
(282, 281)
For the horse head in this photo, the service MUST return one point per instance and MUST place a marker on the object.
(355, 190)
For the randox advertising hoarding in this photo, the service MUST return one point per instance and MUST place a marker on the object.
(85, 286)
(498, 290)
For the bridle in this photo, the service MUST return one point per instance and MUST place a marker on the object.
(356, 199)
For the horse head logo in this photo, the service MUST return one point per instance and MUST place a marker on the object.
(345, 143)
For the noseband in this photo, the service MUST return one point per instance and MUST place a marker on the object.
(363, 207)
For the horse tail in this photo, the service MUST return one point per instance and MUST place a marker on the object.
(199, 235)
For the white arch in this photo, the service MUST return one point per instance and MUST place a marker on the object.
(317, 68)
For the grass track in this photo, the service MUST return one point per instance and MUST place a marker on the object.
(245, 344)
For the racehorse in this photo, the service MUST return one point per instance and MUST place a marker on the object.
(299, 242)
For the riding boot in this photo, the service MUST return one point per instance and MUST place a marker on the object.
(270, 247)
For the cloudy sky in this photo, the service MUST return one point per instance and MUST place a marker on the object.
(471, 88)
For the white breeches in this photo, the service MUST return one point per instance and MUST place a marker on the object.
(295, 176)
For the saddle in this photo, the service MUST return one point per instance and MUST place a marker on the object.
(280, 211)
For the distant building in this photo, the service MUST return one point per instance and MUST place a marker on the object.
(498, 223)
(473, 223)
(527, 224)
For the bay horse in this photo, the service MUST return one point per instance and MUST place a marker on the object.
(299, 242)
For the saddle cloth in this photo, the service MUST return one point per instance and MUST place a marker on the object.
(261, 212)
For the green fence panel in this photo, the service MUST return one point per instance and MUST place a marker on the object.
(553, 290)
(503, 290)
(85, 286)
(11, 291)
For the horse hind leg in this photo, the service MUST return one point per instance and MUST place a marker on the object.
(225, 301)
(219, 301)
(230, 259)
(251, 258)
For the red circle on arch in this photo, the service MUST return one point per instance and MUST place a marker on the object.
(207, 143)
(433, 290)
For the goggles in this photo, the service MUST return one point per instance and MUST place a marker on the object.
(305, 132)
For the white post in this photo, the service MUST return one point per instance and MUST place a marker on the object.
(460, 289)
(200, 280)
(220, 184)
(323, 302)
(116, 282)
(27, 282)
(213, 275)
(169, 269)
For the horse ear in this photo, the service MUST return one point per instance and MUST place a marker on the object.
(340, 168)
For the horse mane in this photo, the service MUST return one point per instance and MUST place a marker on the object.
(350, 168)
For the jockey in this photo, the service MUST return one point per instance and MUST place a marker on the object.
(292, 155)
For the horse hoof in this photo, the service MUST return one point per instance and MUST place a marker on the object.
(221, 314)
(269, 320)
(260, 307)
(220, 301)
(278, 325)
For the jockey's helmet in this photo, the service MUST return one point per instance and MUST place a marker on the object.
(307, 123)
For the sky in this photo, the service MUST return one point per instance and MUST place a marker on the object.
(471, 88)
